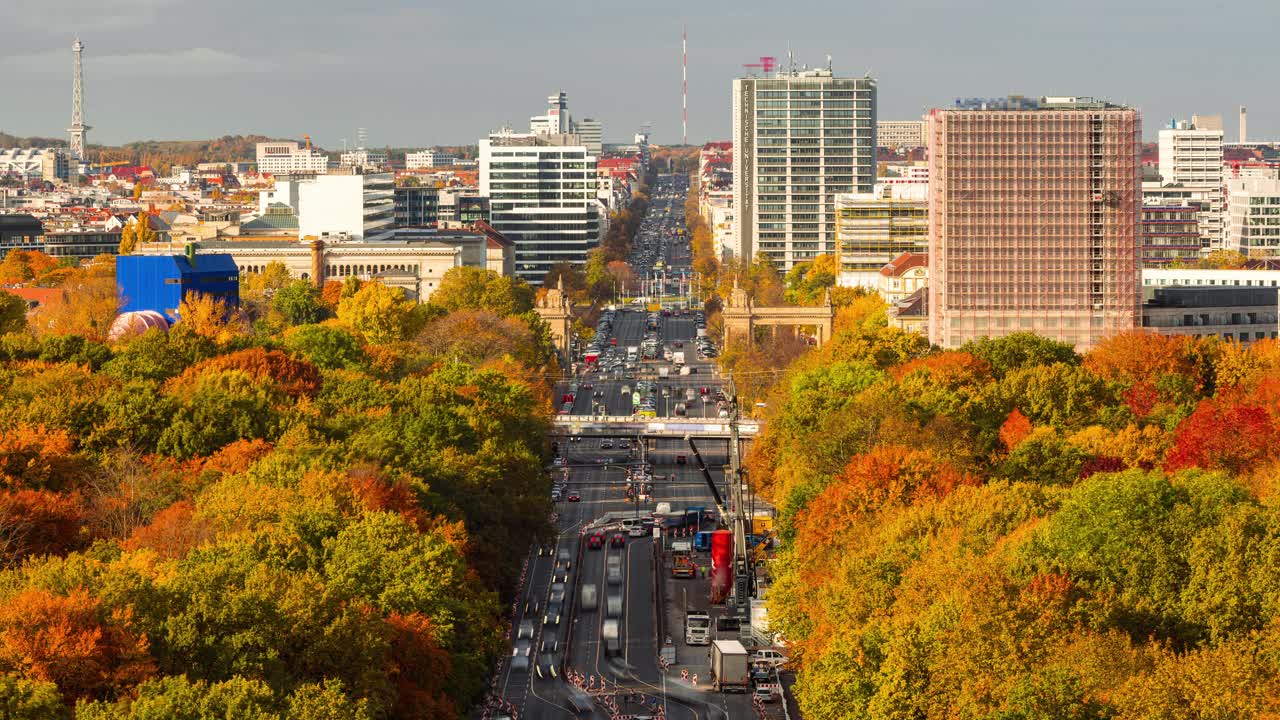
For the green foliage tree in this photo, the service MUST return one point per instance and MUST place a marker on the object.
(22, 699)
(299, 303)
(325, 346)
(13, 313)
(469, 288)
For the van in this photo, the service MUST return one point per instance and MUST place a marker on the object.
(628, 523)
(589, 600)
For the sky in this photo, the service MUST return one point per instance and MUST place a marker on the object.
(416, 73)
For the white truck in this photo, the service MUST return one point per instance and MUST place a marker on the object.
(633, 353)
(697, 627)
(664, 372)
(729, 671)
(677, 358)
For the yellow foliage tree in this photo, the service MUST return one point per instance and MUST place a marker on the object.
(209, 317)
(380, 313)
(86, 304)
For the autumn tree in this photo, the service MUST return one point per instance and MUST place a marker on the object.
(473, 288)
(299, 303)
(86, 303)
(208, 317)
(13, 313)
(137, 231)
(380, 313)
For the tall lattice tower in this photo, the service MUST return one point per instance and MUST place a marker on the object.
(78, 128)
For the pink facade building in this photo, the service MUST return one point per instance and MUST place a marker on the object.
(1034, 220)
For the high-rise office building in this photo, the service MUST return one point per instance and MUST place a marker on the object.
(1033, 220)
(900, 134)
(542, 196)
(1191, 156)
(557, 120)
(800, 137)
(350, 205)
(591, 132)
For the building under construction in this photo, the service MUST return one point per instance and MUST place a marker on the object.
(1033, 220)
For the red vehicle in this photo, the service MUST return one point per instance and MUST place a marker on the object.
(574, 496)
(705, 390)
(618, 540)
(613, 342)
(596, 541)
(681, 459)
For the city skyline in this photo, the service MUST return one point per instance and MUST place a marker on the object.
(283, 72)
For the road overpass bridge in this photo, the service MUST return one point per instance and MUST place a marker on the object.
(631, 426)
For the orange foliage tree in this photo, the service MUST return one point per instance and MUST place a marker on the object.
(296, 378)
(74, 641)
(39, 522)
(419, 669)
(1015, 429)
(1222, 435)
(38, 457)
(173, 532)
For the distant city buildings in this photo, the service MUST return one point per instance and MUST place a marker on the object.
(289, 158)
(901, 134)
(363, 158)
(48, 164)
(429, 159)
(872, 229)
(591, 132)
(1033, 220)
(715, 195)
(1170, 234)
(800, 137)
(542, 195)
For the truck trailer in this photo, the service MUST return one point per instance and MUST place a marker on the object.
(729, 667)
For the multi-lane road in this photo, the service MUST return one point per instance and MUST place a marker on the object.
(566, 679)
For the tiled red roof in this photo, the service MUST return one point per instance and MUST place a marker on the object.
(33, 296)
(903, 263)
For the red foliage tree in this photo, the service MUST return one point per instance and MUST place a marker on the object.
(172, 533)
(419, 667)
(1222, 435)
(295, 378)
(1015, 429)
(39, 522)
(72, 640)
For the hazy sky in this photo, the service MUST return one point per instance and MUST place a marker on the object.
(421, 72)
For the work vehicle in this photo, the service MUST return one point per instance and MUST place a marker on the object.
(770, 657)
(761, 524)
(637, 531)
(612, 641)
(683, 567)
(729, 671)
(697, 627)
(588, 597)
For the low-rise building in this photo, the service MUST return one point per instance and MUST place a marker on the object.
(903, 276)
(1196, 277)
(1237, 314)
(160, 283)
(288, 158)
(901, 134)
(429, 159)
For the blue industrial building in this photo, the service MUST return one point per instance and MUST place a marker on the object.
(160, 282)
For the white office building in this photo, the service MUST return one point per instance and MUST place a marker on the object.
(1253, 216)
(335, 206)
(591, 133)
(1191, 156)
(289, 158)
(428, 159)
(363, 158)
(542, 196)
(901, 134)
(800, 138)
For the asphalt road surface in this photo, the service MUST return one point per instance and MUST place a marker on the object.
(598, 476)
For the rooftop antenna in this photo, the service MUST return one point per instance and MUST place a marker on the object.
(828, 62)
(362, 136)
(791, 59)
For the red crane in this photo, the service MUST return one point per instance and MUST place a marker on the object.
(766, 65)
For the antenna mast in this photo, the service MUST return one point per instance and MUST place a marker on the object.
(78, 128)
(684, 85)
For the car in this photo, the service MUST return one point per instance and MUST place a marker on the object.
(767, 693)
(613, 570)
(530, 608)
(526, 630)
(520, 655)
(770, 657)
(555, 495)
(560, 574)
(589, 597)
(552, 616)
(564, 557)
(574, 496)
(550, 645)
(617, 540)
(559, 461)
(637, 531)
(682, 459)
(595, 541)
(606, 444)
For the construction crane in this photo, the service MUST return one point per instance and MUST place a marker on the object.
(766, 65)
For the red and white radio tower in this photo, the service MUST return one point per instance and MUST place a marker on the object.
(684, 85)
